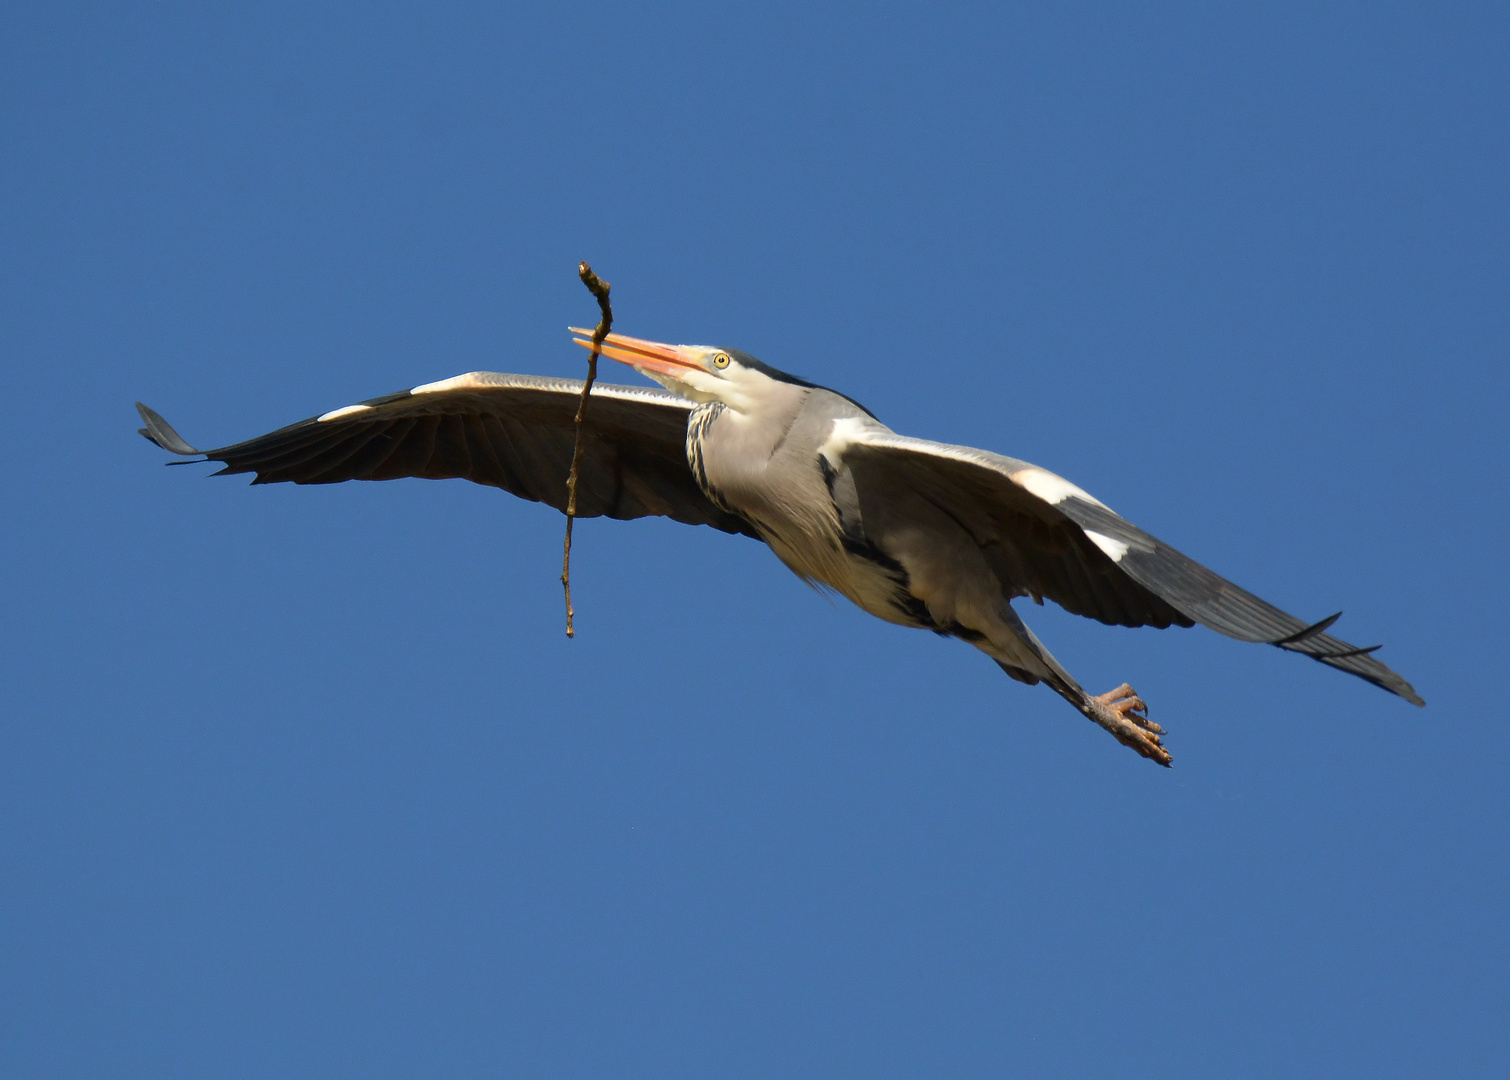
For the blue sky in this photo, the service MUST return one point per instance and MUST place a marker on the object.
(308, 781)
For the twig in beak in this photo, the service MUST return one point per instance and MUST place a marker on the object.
(599, 288)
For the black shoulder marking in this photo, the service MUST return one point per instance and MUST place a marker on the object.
(846, 502)
(829, 472)
(909, 606)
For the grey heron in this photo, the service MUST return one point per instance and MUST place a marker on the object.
(919, 533)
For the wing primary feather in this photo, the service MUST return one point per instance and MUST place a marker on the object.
(161, 432)
(509, 431)
(382, 447)
(298, 463)
(413, 453)
(1308, 632)
(1163, 586)
(337, 465)
(1345, 653)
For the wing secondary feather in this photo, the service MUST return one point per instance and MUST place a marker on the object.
(513, 432)
(1047, 538)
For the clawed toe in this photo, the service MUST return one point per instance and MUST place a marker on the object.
(1123, 713)
(1124, 700)
(1123, 691)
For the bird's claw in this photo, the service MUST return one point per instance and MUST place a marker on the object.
(1123, 713)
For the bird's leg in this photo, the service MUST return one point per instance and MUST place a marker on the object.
(1123, 713)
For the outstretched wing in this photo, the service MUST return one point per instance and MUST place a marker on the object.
(1045, 537)
(513, 432)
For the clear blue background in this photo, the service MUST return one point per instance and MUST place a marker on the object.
(308, 781)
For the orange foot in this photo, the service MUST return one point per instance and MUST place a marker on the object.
(1123, 713)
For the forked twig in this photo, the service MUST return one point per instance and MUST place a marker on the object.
(599, 288)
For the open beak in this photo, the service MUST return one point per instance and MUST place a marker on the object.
(669, 360)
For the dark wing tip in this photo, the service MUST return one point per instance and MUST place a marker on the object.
(1213, 601)
(1386, 678)
(1311, 631)
(1383, 677)
(161, 432)
(1335, 653)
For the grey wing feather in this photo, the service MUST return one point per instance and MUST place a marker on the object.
(161, 432)
(513, 432)
(1214, 601)
(1048, 548)
(1033, 550)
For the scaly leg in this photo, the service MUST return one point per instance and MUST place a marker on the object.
(1121, 711)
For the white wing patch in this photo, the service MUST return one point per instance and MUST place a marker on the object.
(846, 431)
(1045, 485)
(1114, 548)
(1055, 489)
(470, 381)
(493, 380)
(336, 414)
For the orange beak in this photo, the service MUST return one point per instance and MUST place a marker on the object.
(669, 360)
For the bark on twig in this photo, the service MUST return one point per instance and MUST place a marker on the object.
(599, 288)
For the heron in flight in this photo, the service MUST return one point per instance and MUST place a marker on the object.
(918, 533)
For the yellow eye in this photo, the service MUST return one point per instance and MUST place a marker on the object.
(720, 360)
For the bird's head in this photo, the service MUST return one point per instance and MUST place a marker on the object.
(699, 373)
